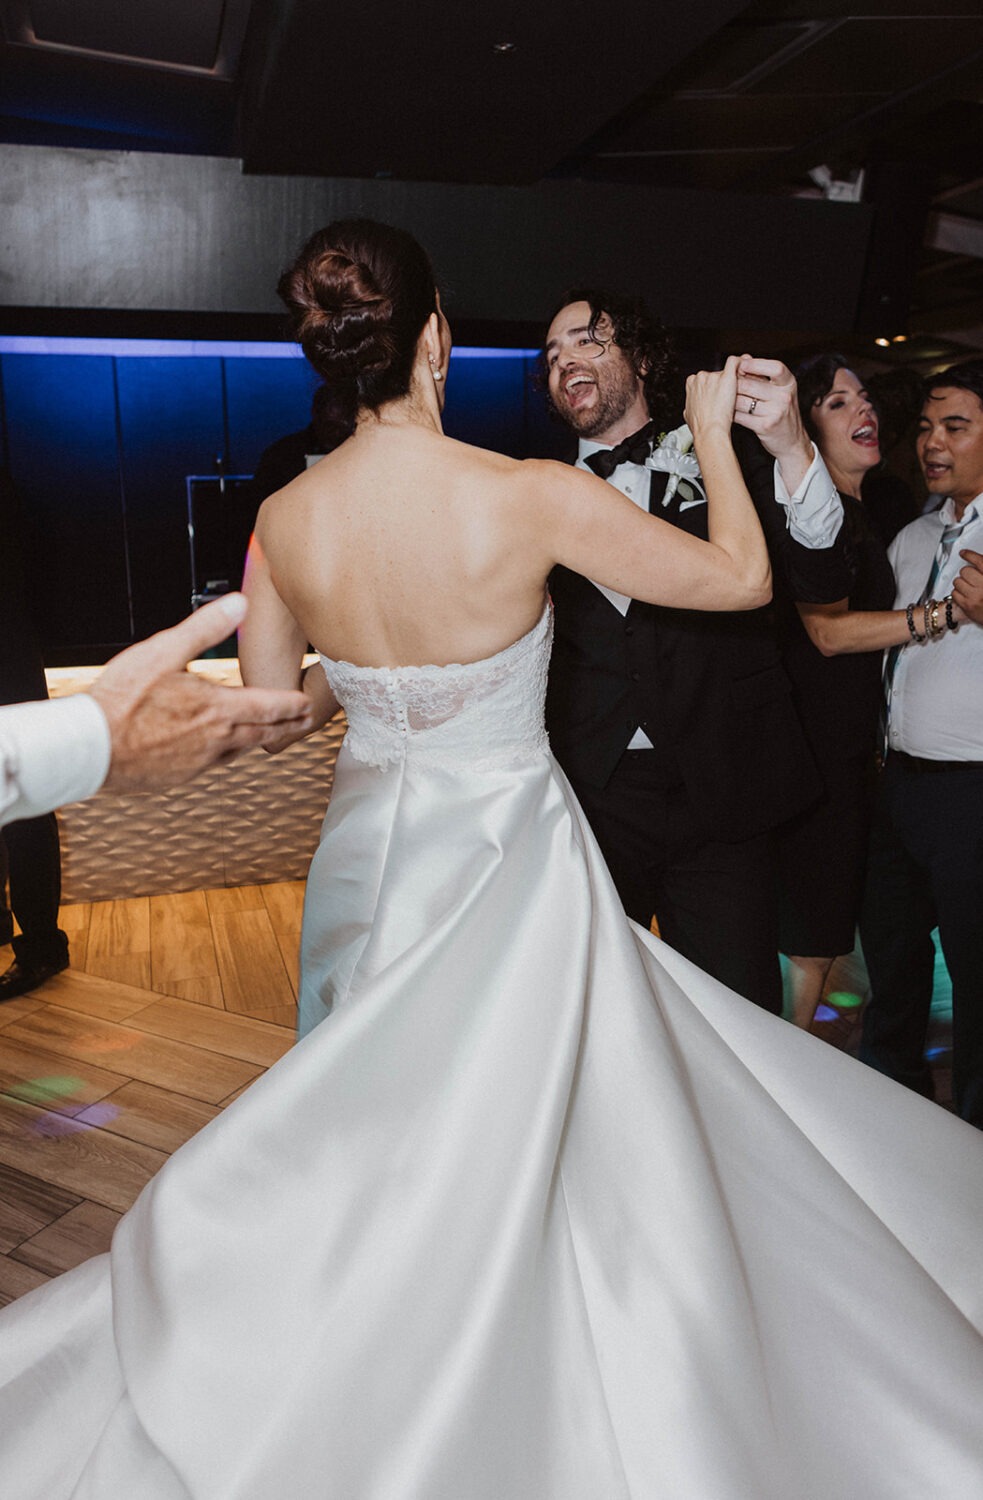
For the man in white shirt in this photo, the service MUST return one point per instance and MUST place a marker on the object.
(144, 724)
(926, 860)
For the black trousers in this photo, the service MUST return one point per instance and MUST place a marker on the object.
(714, 902)
(30, 855)
(925, 869)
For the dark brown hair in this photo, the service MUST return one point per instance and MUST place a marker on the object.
(814, 378)
(359, 293)
(965, 377)
(646, 344)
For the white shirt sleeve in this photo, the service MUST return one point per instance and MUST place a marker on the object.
(815, 510)
(51, 753)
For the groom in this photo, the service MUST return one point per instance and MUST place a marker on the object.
(676, 727)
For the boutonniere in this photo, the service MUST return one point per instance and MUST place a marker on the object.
(672, 455)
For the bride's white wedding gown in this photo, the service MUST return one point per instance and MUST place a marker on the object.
(538, 1212)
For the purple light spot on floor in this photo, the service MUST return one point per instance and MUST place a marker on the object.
(826, 1013)
(54, 1127)
(101, 1114)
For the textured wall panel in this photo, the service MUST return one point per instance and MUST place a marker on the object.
(135, 230)
(253, 821)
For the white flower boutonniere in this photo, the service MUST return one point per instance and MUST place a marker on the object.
(671, 454)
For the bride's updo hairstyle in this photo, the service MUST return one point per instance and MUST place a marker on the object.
(358, 295)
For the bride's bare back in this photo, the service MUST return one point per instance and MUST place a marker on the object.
(405, 547)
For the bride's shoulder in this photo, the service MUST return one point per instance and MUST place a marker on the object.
(548, 476)
(479, 458)
(299, 494)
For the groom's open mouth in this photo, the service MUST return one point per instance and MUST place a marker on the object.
(577, 388)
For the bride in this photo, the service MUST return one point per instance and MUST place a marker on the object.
(536, 1210)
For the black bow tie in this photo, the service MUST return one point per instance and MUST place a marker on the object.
(632, 450)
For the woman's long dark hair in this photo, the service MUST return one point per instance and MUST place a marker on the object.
(814, 378)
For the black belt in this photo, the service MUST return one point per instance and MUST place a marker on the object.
(919, 765)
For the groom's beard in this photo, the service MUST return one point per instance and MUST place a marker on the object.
(617, 390)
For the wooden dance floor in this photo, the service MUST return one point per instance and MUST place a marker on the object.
(172, 1006)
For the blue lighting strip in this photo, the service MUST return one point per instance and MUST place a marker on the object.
(198, 348)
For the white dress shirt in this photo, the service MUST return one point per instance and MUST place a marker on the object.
(936, 701)
(51, 753)
(814, 514)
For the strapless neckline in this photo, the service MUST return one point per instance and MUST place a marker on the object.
(460, 715)
(531, 636)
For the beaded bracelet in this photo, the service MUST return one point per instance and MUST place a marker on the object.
(951, 623)
(910, 617)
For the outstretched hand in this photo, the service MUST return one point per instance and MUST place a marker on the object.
(167, 725)
(767, 403)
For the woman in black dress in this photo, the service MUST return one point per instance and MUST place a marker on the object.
(833, 654)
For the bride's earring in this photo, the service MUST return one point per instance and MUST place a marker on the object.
(437, 374)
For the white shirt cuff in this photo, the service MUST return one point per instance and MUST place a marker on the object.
(53, 752)
(815, 510)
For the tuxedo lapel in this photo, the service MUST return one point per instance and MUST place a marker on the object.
(657, 489)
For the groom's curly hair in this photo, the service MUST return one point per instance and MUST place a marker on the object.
(646, 342)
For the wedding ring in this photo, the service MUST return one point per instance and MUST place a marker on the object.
(753, 401)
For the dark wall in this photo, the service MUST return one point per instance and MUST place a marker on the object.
(100, 447)
(100, 444)
(138, 232)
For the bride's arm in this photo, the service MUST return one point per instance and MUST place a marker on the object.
(272, 646)
(596, 531)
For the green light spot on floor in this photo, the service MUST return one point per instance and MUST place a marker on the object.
(844, 1000)
(48, 1090)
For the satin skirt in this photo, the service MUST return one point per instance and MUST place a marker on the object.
(535, 1211)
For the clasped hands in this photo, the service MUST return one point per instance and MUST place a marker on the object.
(759, 394)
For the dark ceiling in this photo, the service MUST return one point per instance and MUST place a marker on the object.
(784, 97)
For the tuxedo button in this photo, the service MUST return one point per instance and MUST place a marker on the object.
(629, 630)
(635, 676)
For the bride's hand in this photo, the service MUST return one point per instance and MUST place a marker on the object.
(710, 397)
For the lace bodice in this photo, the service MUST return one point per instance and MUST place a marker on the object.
(472, 716)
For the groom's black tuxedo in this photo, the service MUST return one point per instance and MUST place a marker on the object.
(730, 760)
